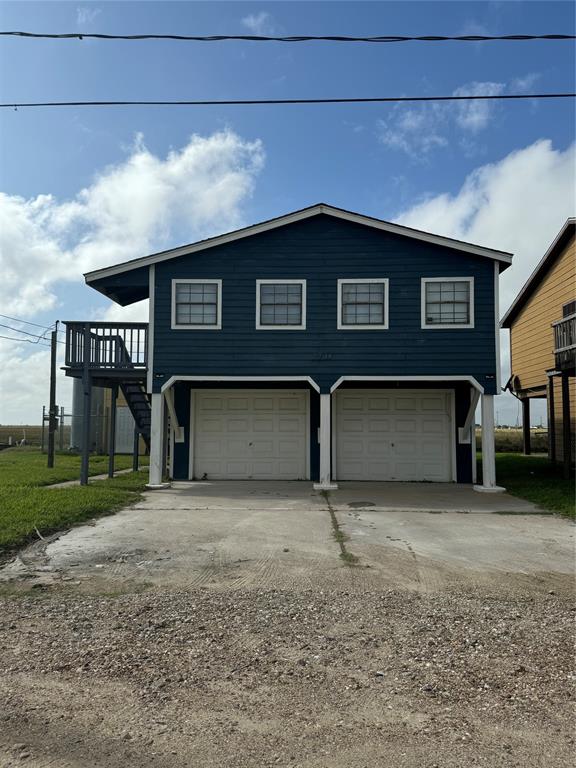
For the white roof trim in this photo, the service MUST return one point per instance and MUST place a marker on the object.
(290, 218)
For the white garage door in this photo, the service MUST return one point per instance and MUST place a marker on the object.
(393, 435)
(250, 435)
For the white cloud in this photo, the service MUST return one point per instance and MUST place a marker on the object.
(517, 204)
(130, 209)
(86, 16)
(259, 23)
(474, 116)
(143, 204)
(419, 130)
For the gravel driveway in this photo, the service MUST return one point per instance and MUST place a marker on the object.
(249, 641)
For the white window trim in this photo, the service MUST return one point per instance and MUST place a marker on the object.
(280, 281)
(445, 326)
(197, 327)
(365, 326)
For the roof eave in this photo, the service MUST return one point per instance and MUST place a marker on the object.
(503, 257)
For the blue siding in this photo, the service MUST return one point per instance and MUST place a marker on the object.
(321, 250)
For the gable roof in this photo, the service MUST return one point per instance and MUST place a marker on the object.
(290, 218)
(539, 272)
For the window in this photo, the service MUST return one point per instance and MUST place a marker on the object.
(363, 304)
(197, 304)
(281, 304)
(447, 302)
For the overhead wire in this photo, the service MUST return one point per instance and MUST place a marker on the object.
(252, 102)
(287, 38)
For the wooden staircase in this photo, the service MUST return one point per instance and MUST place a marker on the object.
(139, 404)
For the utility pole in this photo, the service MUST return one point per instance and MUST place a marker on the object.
(52, 409)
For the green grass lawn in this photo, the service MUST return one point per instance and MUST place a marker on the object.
(536, 479)
(27, 466)
(26, 506)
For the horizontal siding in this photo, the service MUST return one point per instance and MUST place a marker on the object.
(322, 250)
(531, 334)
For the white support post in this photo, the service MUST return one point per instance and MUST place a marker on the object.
(325, 483)
(488, 448)
(157, 444)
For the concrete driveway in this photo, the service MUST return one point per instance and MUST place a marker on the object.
(281, 535)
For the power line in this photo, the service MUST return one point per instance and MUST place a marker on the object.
(252, 102)
(27, 333)
(26, 322)
(38, 337)
(11, 338)
(290, 38)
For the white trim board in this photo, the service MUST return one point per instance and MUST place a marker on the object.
(365, 326)
(290, 218)
(174, 379)
(292, 281)
(446, 379)
(152, 295)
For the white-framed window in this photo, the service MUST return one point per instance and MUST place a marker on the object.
(363, 303)
(447, 302)
(281, 305)
(197, 304)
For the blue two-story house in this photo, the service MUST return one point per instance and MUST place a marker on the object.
(322, 345)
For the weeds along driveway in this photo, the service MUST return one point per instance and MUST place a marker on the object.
(286, 535)
(217, 625)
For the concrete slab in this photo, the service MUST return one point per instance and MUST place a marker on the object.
(223, 535)
(424, 497)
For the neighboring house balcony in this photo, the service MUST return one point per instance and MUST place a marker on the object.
(565, 343)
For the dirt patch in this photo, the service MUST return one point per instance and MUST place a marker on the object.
(264, 677)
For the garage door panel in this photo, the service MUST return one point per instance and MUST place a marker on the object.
(238, 425)
(379, 403)
(393, 436)
(290, 424)
(379, 424)
(252, 435)
(263, 424)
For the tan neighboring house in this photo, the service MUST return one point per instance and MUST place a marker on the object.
(542, 323)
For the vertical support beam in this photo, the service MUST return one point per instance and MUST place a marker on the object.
(566, 430)
(526, 426)
(157, 443)
(488, 447)
(43, 428)
(86, 424)
(52, 411)
(551, 420)
(87, 405)
(325, 439)
(136, 449)
(112, 431)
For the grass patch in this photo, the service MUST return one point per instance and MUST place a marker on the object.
(27, 466)
(339, 535)
(27, 508)
(538, 480)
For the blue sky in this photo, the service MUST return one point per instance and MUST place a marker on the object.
(443, 168)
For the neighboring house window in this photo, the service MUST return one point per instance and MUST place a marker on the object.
(281, 304)
(447, 302)
(197, 304)
(363, 303)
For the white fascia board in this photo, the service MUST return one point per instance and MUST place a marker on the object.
(291, 218)
(173, 379)
(473, 381)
